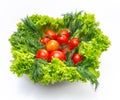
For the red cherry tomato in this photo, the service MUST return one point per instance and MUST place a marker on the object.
(42, 54)
(77, 58)
(73, 43)
(64, 32)
(57, 54)
(44, 40)
(52, 45)
(51, 34)
(65, 50)
(62, 39)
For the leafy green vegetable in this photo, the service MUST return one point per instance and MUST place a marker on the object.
(22, 62)
(57, 71)
(25, 43)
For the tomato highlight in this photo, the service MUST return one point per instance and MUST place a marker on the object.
(58, 46)
(64, 32)
(57, 54)
(76, 58)
(44, 40)
(42, 54)
(62, 39)
(52, 45)
(50, 34)
(73, 43)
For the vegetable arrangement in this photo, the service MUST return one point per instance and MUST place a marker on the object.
(50, 50)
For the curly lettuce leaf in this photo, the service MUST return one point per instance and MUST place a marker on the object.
(25, 43)
(57, 71)
(22, 62)
(93, 43)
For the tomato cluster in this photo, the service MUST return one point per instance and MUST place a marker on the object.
(57, 45)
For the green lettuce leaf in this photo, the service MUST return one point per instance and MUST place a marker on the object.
(25, 43)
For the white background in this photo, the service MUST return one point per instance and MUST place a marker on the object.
(107, 13)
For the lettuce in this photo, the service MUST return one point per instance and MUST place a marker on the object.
(25, 43)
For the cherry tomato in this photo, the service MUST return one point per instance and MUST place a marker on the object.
(64, 32)
(42, 54)
(62, 39)
(57, 54)
(44, 40)
(51, 34)
(65, 50)
(52, 45)
(73, 43)
(77, 58)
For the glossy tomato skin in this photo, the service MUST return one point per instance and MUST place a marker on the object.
(57, 54)
(73, 43)
(42, 54)
(51, 34)
(44, 40)
(52, 45)
(64, 32)
(62, 39)
(77, 58)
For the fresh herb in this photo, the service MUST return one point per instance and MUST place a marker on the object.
(26, 42)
